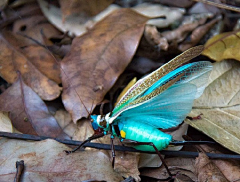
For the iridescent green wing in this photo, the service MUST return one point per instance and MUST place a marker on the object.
(143, 84)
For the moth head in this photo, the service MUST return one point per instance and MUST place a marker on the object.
(94, 122)
(99, 121)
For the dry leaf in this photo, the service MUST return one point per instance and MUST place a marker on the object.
(65, 122)
(37, 28)
(208, 171)
(83, 8)
(198, 34)
(97, 59)
(180, 33)
(126, 163)
(47, 161)
(229, 168)
(155, 11)
(177, 165)
(3, 4)
(219, 106)
(13, 60)
(74, 25)
(5, 122)
(28, 112)
(223, 46)
(154, 37)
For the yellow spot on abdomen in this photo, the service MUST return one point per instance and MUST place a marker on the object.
(123, 134)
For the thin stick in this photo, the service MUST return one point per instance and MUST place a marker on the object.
(220, 5)
(117, 147)
(20, 169)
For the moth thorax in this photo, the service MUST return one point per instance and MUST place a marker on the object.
(102, 121)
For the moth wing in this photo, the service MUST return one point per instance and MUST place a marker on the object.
(195, 73)
(166, 110)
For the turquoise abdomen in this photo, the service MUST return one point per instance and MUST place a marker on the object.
(141, 132)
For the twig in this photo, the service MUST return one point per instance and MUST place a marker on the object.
(220, 5)
(117, 147)
(20, 169)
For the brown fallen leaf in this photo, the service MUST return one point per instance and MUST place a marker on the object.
(13, 60)
(23, 10)
(229, 168)
(44, 61)
(177, 165)
(219, 106)
(65, 122)
(82, 7)
(36, 27)
(208, 171)
(223, 46)
(28, 112)
(74, 25)
(126, 163)
(97, 59)
(47, 161)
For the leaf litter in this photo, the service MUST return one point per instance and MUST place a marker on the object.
(35, 47)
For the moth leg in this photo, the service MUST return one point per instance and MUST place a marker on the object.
(113, 151)
(84, 142)
(155, 148)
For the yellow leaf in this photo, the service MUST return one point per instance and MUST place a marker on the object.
(223, 46)
(219, 106)
(130, 84)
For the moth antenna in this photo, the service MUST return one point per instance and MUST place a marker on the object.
(91, 108)
(102, 105)
(220, 5)
(44, 46)
(101, 109)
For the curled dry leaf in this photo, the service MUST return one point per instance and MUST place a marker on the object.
(219, 106)
(47, 161)
(155, 11)
(28, 112)
(13, 60)
(179, 34)
(74, 25)
(97, 59)
(5, 122)
(208, 171)
(197, 35)
(223, 46)
(154, 37)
